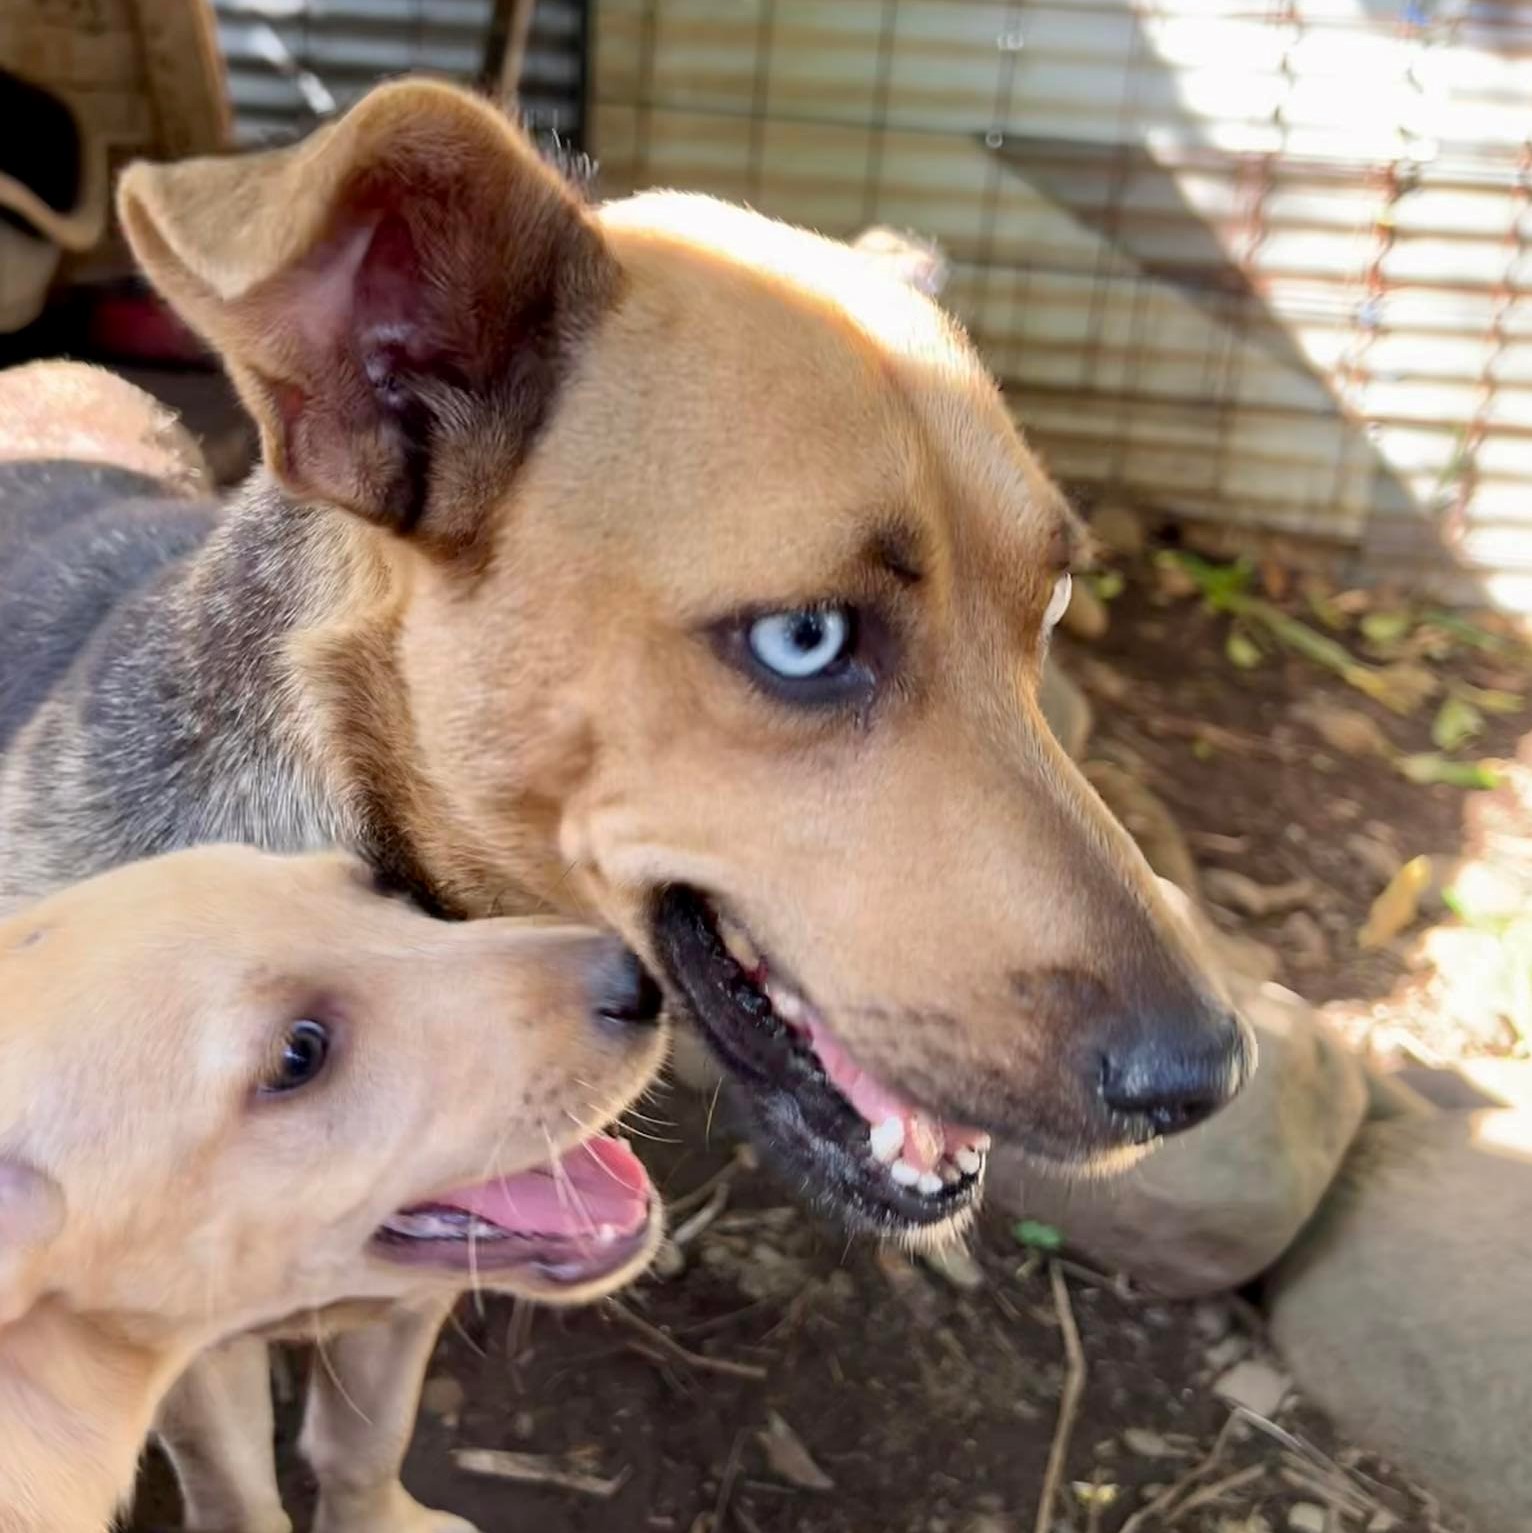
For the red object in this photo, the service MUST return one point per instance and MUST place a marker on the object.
(132, 325)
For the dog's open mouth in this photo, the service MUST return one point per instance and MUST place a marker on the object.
(872, 1153)
(575, 1220)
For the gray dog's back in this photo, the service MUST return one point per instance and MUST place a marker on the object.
(75, 539)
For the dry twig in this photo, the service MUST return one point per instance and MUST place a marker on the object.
(538, 1469)
(742, 1160)
(673, 1349)
(1069, 1399)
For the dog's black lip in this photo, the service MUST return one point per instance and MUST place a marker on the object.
(796, 1110)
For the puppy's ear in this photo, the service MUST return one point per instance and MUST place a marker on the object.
(921, 263)
(396, 297)
(31, 1215)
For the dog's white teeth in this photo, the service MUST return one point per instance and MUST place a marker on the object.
(786, 1004)
(968, 1162)
(949, 1173)
(982, 1144)
(741, 948)
(929, 1183)
(444, 1224)
(887, 1139)
(904, 1173)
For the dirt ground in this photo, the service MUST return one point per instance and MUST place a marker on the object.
(780, 1379)
(925, 1408)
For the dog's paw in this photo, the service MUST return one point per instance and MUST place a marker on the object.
(393, 1510)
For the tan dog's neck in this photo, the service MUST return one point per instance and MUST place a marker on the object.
(76, 1402)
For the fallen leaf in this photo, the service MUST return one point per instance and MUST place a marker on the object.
(1308, 1517)
(1108, 584)
(1242, 650)
(1036, 1235)
(1457, 722)
(1090, 1493)
(1490, 699)
(1348, 730)
(1403, 688)
(1397, 906)
(1427, 768)
(1323, 605)
(789, 1458)
(1385, 627)
(536, 1469)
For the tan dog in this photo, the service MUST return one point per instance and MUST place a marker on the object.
(654, 562)
(236, 1087)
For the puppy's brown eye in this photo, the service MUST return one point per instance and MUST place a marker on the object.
(301, 1058)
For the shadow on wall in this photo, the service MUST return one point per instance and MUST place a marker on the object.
(1307, 254)
(1254, 271)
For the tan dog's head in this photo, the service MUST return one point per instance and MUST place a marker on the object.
(726, 581)
(234, 1087)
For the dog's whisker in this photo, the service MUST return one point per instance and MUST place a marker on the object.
(620, 1121)
(330, 1373)
(712, 1107)
(632, 1112)
(568, 1194)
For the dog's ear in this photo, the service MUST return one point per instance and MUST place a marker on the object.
(31, 1215)
(921, 263)
(396, 297)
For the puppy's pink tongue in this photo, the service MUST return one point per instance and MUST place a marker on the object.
(899, 1128)
(598, 1190)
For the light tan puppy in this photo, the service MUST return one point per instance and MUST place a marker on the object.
(236, 1088)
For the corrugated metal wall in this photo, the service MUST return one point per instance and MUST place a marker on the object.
(293, 62)
(1264, 264)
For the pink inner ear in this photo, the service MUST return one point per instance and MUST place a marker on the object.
(31, 1206)
(392, 304)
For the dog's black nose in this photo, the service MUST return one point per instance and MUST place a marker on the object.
(625, 992)
(1175, 1075)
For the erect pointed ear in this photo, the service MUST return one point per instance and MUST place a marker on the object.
(31, 1216)
(918, 262)
(396, 297)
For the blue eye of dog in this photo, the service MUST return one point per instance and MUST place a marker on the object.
(304, 1052)
(802, 643)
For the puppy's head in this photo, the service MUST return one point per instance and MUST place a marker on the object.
(234, 1087)
(728, 584)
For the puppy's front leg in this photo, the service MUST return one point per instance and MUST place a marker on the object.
(363, 1397)
(216, 1427)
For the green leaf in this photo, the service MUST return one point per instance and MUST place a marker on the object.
(1490, 699)
(1457, 722)
(1242, 650)
(1037, 1236)
(1385, 627)
(1428, 768)
(1108, 584)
